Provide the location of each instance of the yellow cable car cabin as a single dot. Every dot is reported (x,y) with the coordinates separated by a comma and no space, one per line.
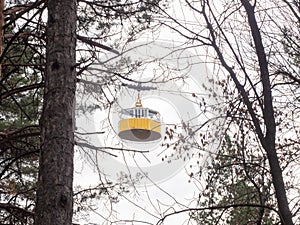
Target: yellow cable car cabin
(139,124)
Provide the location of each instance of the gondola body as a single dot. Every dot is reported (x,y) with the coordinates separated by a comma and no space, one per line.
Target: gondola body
(139,124)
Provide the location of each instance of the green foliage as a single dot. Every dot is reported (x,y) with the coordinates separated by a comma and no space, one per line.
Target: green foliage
(236,186)
(21,85)
(20,108)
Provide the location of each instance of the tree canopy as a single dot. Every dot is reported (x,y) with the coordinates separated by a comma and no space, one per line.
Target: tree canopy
(251,49)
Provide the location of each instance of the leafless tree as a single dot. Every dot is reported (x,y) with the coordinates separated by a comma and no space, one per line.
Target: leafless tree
(245,40)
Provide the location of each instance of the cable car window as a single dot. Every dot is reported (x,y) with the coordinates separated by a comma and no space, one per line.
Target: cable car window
(152,112)
(125,113)
(151,115)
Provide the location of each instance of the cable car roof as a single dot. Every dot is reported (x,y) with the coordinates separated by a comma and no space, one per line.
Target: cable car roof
(128,110)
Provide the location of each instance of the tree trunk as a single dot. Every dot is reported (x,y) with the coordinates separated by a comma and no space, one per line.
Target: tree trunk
(55,193)
(2,5)
(268,142)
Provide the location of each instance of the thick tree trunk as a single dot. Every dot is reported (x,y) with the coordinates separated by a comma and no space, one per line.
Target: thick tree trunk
(1,31)
(55,193)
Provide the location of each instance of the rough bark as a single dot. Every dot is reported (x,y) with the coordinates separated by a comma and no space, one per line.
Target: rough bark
(54,193)
(1,31)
